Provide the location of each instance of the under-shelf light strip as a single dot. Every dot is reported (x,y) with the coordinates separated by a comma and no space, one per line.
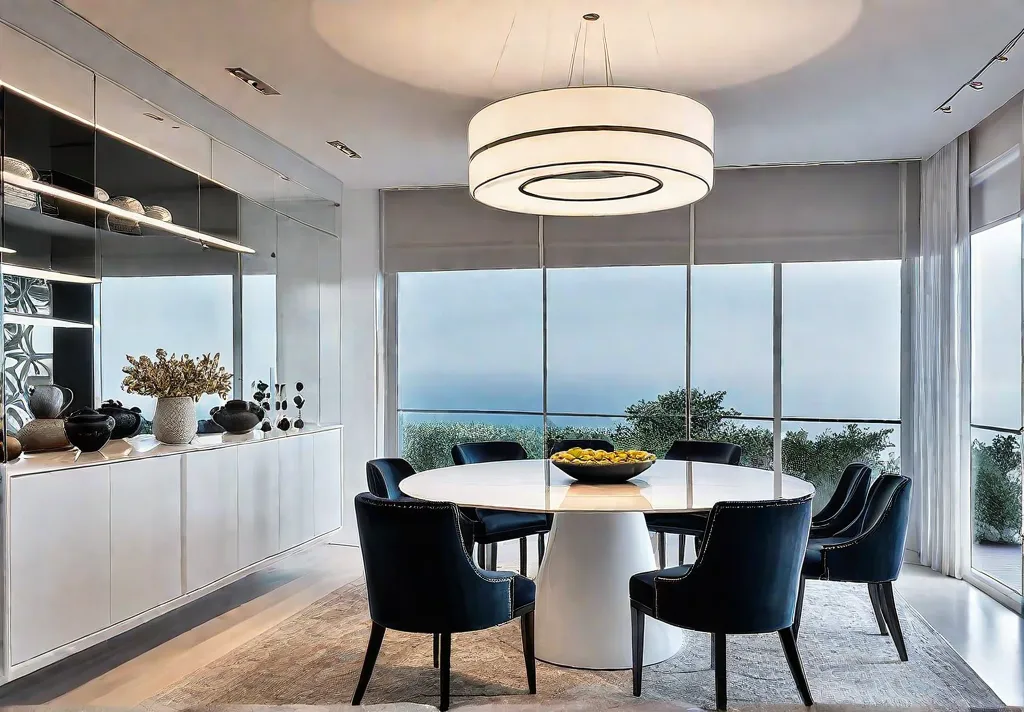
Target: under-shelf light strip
(54,191)
(43,321)
(48,274)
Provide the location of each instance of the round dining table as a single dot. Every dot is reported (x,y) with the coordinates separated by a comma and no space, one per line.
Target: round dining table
(598,540)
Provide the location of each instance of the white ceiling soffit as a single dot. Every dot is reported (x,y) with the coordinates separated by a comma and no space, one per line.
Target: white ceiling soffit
(789,81)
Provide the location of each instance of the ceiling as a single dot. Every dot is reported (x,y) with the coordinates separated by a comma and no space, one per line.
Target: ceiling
(789,81)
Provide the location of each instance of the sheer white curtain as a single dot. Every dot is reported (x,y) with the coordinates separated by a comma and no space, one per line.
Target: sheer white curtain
(940,362)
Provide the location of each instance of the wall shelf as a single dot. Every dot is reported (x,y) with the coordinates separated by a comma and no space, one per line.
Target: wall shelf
(142,220)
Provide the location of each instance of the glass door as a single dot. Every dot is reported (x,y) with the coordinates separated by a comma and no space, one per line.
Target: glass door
(996,386)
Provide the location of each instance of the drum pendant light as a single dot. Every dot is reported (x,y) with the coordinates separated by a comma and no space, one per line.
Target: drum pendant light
(591,150)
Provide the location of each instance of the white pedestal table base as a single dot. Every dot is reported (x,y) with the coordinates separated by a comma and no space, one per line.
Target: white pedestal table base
(582,614)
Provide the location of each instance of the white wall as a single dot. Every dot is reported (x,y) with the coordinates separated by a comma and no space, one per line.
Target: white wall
(360,268)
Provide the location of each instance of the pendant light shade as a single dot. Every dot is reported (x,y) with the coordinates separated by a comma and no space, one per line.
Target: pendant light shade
(591,150)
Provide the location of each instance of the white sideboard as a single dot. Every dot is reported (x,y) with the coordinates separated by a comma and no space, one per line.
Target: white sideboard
(99,543)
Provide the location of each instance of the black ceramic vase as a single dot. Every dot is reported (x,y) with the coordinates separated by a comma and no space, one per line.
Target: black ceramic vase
(88,430)
(127,421)
(237,416)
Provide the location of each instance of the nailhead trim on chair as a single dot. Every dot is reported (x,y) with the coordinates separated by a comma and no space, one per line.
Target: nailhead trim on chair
(766,504)
(462,547)
(861,537)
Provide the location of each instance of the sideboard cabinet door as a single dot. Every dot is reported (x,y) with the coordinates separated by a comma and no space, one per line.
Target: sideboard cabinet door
(211,516)
(60,558)
(296,476)
(258,502)
(145,535)
(327,481)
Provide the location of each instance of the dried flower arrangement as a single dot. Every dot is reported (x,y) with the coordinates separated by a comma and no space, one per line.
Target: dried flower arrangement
(176,377)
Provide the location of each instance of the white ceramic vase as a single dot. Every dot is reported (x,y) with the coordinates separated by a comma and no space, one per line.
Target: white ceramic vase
(174,421)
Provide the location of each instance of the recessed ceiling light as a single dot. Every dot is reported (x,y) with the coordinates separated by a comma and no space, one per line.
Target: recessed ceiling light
(591,16)
(344,149)
(947,109)
(255,82)
(976,85)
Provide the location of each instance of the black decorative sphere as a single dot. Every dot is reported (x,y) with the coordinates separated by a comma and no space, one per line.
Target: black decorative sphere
(266,427)
(259,396)
(299,425)
(283,424)
(299,401)
(277,405)
(299,386)
(88,430)
(284,405)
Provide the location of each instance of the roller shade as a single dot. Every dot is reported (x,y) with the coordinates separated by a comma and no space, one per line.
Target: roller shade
(445,229)
(661,238)
(800,214)
(996,165)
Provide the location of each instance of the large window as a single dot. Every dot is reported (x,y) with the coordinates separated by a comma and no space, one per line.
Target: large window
(996,402)
(840,369)
(731,358)
(471,366)
(470,361)
(617,350)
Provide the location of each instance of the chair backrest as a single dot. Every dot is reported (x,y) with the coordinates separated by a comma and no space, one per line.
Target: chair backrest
(876,553)
(704,451)
(747,573)
(560,445)
(384,474)
(495,451)
(851,491)
(419,577)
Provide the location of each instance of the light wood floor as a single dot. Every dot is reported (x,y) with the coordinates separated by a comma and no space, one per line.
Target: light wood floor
(136,665)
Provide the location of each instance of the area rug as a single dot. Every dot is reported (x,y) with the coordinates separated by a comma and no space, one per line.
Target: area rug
(313,658)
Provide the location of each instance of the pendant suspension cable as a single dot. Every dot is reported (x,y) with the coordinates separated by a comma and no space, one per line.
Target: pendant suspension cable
(609,78)
(504,46)
(572,61)
(654,38)
(583,74)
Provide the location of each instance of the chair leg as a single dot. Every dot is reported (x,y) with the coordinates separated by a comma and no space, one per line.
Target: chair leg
(876,606)
(492,557)
(788,638)
(526,628)
(540,549)
(720,694)
(446,669)
(891,618)
(372,649)
(799,607)
(481,555)
(522,555)
(437,644)
(661,550)
(637,619)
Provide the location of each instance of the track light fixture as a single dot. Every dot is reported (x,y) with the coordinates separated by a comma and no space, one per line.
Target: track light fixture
(947,109)
(976,85)
(975,82)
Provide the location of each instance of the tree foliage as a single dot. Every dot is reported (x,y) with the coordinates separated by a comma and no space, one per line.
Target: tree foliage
(655,425)
(997,489)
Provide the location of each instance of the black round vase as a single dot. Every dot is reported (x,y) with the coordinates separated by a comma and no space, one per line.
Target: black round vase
(127,421)
(237,416)
(88,430)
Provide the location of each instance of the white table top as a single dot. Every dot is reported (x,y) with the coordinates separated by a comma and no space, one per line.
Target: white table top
(539,486)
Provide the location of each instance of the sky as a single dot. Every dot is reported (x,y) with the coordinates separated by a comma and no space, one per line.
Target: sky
(473,340)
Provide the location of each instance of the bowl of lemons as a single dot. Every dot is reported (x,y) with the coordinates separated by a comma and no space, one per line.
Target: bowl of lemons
(602,466)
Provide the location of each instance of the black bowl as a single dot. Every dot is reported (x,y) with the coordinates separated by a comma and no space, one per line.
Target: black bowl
(603,474)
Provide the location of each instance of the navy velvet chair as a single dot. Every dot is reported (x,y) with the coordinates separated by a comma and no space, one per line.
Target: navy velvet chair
(419,579)
(744,581)
(492,526)
(689,524)
(384,474)
(869,551)
(846,504)
(560,445)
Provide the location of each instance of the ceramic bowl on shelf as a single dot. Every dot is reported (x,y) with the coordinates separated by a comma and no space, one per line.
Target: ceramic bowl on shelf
(88,430)
(127,421)
(237,417)
(601,467)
